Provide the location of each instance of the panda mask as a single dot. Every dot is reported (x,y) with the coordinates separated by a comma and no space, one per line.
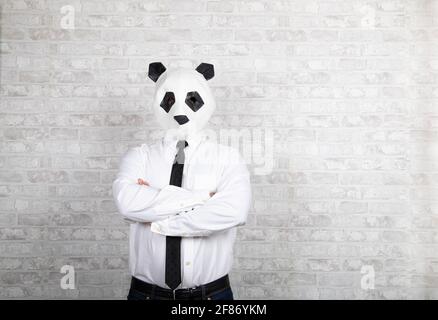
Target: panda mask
(183,102)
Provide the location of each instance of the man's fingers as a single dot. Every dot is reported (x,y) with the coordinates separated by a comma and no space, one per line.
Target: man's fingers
(142,182)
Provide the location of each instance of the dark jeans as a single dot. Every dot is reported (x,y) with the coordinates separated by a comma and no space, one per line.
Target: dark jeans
(226,294)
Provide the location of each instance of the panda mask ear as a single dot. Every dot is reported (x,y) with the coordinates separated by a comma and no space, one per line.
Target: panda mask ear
(156,69)
(206,69)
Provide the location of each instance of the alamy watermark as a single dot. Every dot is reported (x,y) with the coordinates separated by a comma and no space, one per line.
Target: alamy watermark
(368,19)
(68,17)
(68,281)
(255,145)
(368,279)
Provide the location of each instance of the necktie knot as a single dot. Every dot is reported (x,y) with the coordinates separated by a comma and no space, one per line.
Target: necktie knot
(180,157)
(181,144)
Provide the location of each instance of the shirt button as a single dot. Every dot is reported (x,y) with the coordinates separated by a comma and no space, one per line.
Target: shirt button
(187,263)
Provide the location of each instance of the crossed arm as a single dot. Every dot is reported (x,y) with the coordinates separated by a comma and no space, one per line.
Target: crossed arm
(175,211)
(140,202)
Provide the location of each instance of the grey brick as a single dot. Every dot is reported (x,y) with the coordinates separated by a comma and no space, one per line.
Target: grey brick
(347,88)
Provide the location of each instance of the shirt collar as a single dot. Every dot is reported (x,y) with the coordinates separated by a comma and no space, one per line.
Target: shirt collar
(170,139)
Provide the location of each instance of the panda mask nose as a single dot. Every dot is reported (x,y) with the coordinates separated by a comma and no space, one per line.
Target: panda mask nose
(181,119)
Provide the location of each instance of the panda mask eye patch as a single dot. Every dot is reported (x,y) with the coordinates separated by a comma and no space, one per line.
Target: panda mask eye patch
(194,100)
(168,101)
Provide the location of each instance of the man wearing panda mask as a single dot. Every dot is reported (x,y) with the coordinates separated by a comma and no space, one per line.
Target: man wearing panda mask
(183,195)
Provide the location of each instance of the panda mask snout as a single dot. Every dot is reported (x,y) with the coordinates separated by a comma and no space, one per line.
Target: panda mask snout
(181,119)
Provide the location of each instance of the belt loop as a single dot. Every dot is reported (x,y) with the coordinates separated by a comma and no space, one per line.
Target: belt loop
(173,292)
(153,292)
(202,292)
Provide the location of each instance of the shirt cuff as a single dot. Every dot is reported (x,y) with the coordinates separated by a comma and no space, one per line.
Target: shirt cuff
(160,227)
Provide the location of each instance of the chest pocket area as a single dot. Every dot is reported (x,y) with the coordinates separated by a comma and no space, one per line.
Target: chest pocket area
(202,176)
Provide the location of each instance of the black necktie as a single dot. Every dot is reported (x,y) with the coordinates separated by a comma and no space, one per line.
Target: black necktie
(173,244)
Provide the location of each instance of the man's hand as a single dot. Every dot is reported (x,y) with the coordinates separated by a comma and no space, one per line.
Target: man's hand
(142,182)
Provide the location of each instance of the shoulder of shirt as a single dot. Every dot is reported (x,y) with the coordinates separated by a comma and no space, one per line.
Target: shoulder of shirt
(144,148)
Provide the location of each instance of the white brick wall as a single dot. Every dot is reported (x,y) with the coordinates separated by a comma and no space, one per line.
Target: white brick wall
(349,88)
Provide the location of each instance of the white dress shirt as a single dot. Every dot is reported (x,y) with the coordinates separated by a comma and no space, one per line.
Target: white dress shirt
(207,224)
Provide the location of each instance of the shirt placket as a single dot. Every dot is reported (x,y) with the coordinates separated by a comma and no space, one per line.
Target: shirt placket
(188,262)
(187,274)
